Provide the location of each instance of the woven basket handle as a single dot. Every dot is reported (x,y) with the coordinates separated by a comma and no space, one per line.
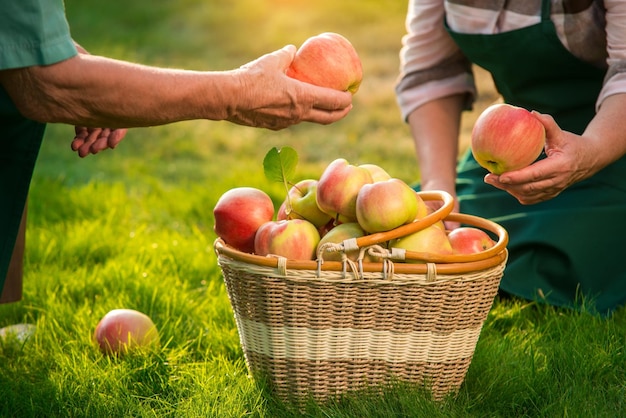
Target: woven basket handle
(463,218)
(425,222)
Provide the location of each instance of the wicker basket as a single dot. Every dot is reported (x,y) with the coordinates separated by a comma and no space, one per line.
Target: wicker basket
(314,329)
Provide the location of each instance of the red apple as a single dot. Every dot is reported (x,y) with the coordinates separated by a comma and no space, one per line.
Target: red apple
(378,173)
(123,329)
(328,60)
(338,187)
(339,234)
(431,240)
(295,239)
(385,205)
(469,240)
(239,213)
(507,138)
(302,198)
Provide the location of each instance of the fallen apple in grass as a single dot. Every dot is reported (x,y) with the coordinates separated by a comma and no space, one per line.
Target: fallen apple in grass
(507,138)
(239,212)
(294,239)
(385,205)
(469,240)
(338,187)
(328,60)
(121,330)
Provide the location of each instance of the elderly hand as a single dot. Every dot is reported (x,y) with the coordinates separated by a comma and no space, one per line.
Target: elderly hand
(93,140)
(570,159)
(275,101)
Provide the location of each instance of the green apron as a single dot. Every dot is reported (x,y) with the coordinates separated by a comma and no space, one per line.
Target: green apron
(20,141)
(569,246)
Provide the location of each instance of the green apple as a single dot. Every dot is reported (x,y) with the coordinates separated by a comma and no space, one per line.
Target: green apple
(338,187)
(385,205)
(302,199)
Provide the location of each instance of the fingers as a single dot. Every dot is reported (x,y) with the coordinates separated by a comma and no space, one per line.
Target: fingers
(285,56)
(548,122)
(530,185)
(93,140)
(327,116)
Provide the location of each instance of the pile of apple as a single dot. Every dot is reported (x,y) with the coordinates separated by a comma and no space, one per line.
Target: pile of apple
(347,201)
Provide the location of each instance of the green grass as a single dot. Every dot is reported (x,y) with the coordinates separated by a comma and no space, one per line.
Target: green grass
(133,228)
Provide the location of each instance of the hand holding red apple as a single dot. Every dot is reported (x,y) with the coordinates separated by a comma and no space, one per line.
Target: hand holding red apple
(507,138)
(328,60)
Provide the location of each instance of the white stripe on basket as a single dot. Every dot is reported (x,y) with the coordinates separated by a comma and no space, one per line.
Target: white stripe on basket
(348,343)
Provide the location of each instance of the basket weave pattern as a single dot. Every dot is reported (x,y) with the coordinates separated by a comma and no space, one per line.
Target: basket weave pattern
(323,335)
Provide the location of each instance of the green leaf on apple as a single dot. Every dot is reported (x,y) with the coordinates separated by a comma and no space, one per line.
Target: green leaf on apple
(280,164)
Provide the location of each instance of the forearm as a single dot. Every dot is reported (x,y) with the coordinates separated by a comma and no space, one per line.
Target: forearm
(98,91)
(435,128)
(607,130)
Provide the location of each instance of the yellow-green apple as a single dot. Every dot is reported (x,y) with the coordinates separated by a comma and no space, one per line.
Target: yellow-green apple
(506,138)
(431,240)
(378,173)
(469,240)
(338,187)
(238,213)
(295,239)
(302,199)
(385,205)
(339,234)
(121,330)
(423,209)
(328,60)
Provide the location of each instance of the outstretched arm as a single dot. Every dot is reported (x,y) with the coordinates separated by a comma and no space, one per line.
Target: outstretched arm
(89,90)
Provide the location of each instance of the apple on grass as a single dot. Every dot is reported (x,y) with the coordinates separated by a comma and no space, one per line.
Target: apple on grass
(385,205)
(302,199)
(507,138)
(338,187)
(294,239)
(239,212)
(469,240)
(328,60)
(121,330)
(431,240)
